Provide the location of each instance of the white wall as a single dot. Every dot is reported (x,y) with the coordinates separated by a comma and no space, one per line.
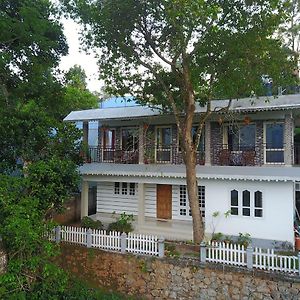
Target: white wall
(108,202)
(278,209)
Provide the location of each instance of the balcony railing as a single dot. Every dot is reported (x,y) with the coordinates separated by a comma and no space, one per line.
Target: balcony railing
(152,155)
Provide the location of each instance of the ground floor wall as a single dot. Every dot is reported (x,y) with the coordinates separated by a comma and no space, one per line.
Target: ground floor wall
(265,210)
(151,278)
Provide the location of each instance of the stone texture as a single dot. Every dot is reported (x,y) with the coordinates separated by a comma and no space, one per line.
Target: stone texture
(153,278)
(3,261)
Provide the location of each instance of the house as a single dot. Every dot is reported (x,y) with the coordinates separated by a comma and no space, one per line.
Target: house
(248,169)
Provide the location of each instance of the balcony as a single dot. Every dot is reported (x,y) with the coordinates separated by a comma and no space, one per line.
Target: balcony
(152,155)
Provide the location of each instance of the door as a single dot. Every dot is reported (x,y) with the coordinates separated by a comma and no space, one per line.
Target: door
(163,144)
(164,201)
(108,144)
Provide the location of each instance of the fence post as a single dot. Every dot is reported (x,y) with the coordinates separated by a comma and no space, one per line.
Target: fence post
(57,234)
(203,252)
(299,263)
(161,247)
(89,238)
(123,242)
(249,257)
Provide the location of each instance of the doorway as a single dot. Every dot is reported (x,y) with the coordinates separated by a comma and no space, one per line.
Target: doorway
(164,201)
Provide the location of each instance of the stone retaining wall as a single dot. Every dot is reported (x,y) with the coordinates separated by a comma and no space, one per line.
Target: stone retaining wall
(153,278)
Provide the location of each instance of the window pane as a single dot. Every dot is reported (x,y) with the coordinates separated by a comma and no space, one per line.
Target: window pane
(274,136)
(246,211)
(233,138)
(258,213)
(202,139)
(129,139)
(246,198)
(234,198)
(164,137)
(275,156)
(258,199)
(234,211)
(247,137)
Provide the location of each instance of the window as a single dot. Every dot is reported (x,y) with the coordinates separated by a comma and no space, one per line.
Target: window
(130,139)
(251,204)
(246,203)
(274,150)
(201,146)
(163,144)
(124,188)
(240,137)
(234,202)
(184,208)
(127,188)
(132,188)
(117,187)
(258,211)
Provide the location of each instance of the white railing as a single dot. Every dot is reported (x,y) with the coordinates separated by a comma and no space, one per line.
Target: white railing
(231,254)
(142,244)
(263,259)
(106,240)
(75,235)
(111,241)
(266,259)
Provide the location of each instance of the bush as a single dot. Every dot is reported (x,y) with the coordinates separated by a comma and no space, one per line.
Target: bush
(87,222)
(123,224)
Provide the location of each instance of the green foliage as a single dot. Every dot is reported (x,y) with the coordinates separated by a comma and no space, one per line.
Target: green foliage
(170,251)
(87,222)
(123,224)
(218,236)
(244,239)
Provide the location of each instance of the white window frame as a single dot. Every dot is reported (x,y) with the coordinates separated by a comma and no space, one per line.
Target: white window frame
(265,143)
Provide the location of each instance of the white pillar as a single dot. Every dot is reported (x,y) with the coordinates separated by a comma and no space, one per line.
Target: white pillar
(207,144)
(288,139)
(84,199)
(141,204)
(141,144)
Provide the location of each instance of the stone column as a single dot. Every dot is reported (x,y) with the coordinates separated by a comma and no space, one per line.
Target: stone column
(207,144)
(141,204)
(141,144)
(84,199)
(288,139)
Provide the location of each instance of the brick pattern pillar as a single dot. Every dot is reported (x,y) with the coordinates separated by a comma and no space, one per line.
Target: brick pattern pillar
(288,139)
(207,143)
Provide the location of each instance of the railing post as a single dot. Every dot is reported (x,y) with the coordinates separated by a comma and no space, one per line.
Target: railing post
(299,263)
(89,238)
(57,234)
(161,247)
(203,252)
(123,242)
(249,257)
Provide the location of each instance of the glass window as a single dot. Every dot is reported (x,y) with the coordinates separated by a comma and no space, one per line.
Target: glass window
(109,138)
(241,138)
(274,143)
(124,188)
(130,139)
(93,133)
(117,187)
(163,144)
(234,202)
(246,203)
(132,188)
(258,205)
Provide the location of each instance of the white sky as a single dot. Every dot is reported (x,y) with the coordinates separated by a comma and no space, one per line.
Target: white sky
(87,61)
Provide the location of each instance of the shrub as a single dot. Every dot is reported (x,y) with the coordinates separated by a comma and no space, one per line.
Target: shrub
(123,224)
(244,239)
(87,222)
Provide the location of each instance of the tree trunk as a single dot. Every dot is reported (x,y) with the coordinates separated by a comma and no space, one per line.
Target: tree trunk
(192,190)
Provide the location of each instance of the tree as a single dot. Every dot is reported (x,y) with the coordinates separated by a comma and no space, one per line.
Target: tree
(179,53)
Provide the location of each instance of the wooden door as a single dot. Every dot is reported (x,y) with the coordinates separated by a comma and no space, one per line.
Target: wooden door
(164,201)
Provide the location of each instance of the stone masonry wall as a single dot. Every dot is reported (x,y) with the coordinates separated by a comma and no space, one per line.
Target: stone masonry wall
(153,278)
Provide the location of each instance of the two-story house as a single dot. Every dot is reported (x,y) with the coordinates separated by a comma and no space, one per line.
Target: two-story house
(247,169)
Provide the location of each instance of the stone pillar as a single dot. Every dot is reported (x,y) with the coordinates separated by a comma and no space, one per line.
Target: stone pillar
(207,144)
(84,199)
(141,144)
(85,128)
(288,139)
(141,204)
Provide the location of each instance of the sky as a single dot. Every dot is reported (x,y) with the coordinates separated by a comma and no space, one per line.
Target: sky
(87,61)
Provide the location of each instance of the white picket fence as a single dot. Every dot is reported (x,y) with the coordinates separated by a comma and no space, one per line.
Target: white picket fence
(111,241)
(231,254)
(237,255)
(266,259)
